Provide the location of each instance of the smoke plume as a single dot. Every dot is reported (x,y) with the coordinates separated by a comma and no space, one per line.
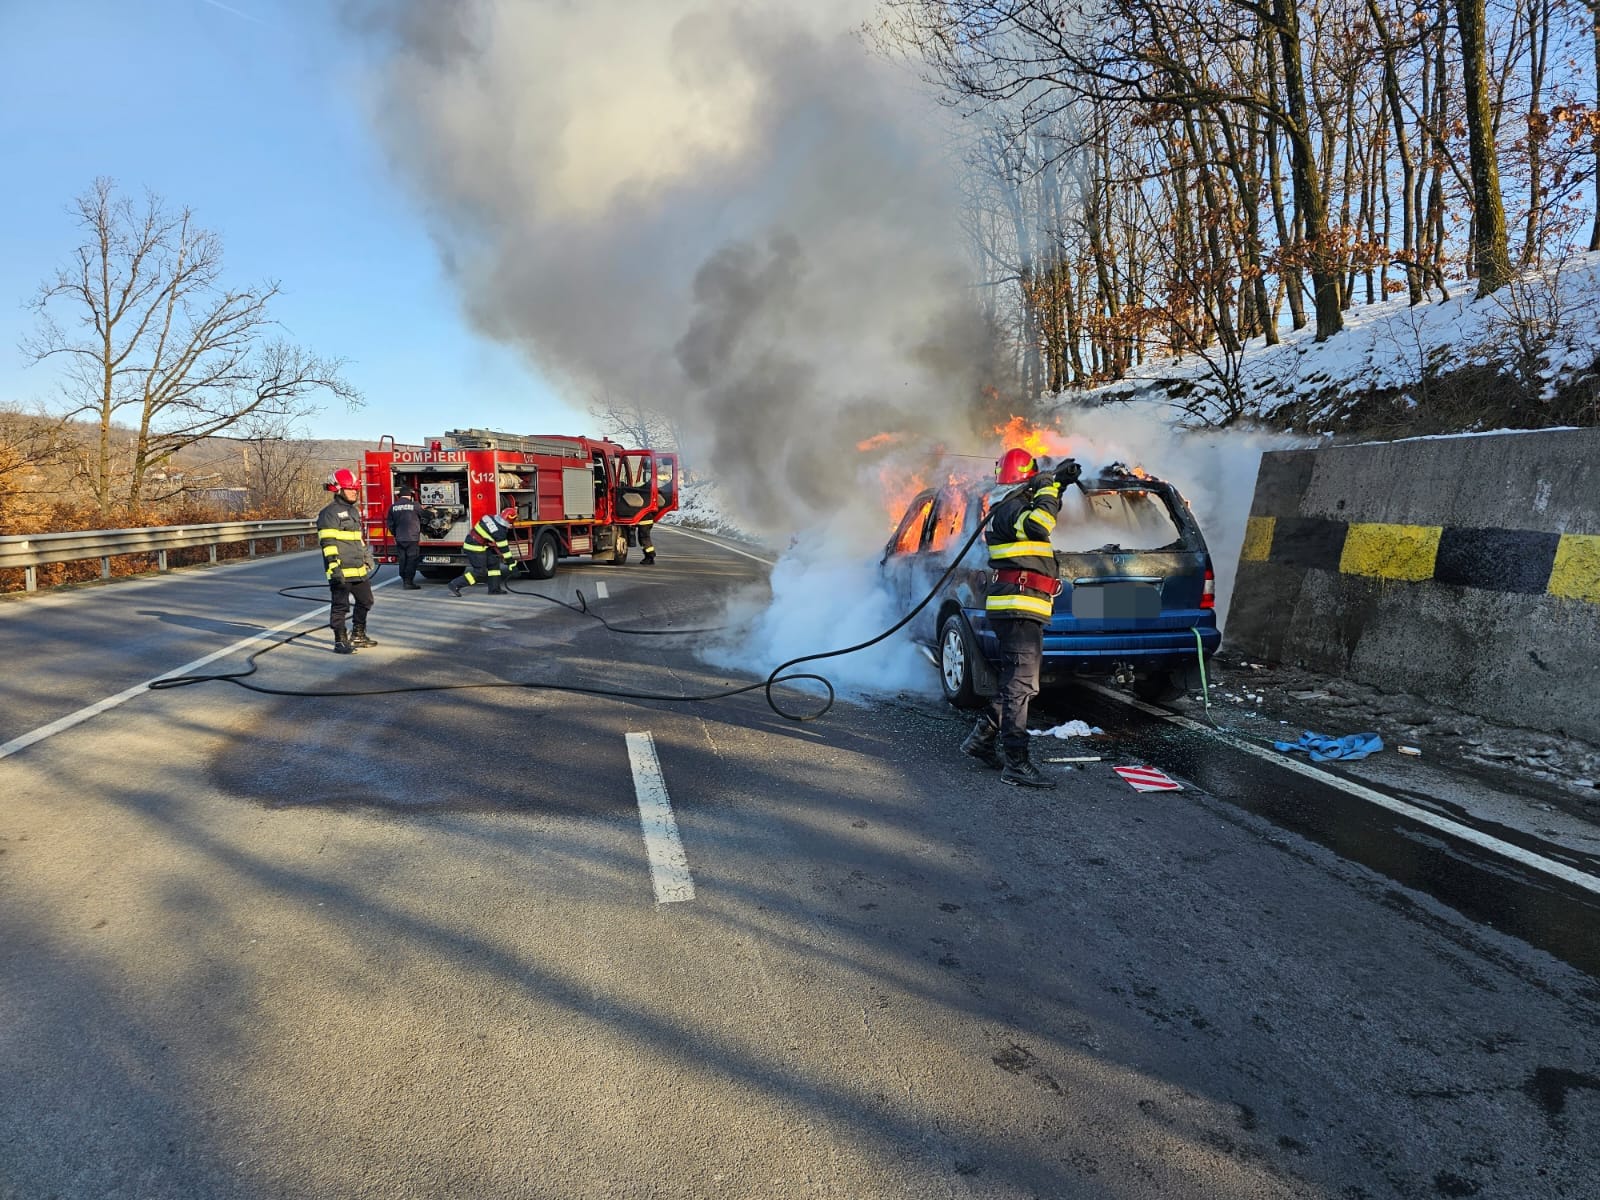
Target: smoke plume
(727,209)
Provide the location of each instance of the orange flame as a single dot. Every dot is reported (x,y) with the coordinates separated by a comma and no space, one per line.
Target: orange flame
(877,441)
(1036,440)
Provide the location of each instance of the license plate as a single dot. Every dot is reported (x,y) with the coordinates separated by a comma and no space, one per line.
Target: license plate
(435,558)
(1116,601)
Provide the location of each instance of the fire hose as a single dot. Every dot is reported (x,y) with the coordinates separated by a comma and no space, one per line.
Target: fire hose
(240,678)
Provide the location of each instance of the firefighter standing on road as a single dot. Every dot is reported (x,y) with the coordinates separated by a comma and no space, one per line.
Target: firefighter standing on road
(1021,598)
(488,551)
(348,560)
(405,523)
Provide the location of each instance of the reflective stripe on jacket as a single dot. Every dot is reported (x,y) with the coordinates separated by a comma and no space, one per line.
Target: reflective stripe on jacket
(1018,539)
(344,547)
(489,531)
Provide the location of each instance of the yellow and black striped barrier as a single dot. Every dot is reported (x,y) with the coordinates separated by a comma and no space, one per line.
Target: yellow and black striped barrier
(1523,561)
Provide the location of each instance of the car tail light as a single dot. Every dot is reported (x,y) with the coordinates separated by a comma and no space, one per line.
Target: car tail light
(1208,597)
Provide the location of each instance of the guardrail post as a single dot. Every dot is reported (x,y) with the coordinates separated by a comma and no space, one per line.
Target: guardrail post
(280,546)
(213,549)
(30,579)
(105,566)
(161,560)
(252,547)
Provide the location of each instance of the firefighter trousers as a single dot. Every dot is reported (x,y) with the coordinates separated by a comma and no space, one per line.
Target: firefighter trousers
(1021,656)
(408,557)
(480,566)
(344,591)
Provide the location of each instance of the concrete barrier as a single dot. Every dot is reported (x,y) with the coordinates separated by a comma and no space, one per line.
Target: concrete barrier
(1461,569)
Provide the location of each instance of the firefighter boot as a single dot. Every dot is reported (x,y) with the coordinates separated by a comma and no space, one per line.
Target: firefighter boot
(341,642)
(649,557)
(1020,772)
(980,743)
(456,584)
(359,638)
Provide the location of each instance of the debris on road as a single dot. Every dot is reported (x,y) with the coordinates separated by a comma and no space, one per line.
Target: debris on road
(1411,751)
(1070,729)
(1148,779)
(1082,758)
(1323,748)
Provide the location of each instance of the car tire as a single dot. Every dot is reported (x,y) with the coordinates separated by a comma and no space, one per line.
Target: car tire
(543,563)
(1158,687)
(957,656)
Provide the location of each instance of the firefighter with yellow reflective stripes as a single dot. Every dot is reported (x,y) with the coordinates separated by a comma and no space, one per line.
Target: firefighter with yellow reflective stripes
(347,559)
(488,551)
(1024,584)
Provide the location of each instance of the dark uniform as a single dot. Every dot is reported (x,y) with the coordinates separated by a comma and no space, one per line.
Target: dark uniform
(1024,584)
(488,551)
(405,523)
(347,558)
(646,541)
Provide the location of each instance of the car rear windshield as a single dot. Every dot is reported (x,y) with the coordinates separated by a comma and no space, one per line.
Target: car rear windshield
(1126,518)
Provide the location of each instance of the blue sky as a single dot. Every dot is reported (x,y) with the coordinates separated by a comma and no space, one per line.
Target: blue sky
(250,113)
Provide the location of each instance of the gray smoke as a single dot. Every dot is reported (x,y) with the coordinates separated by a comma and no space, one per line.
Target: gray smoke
(727,209)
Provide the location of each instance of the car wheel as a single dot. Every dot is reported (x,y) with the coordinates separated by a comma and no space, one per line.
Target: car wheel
(956,657)
(543,563)
(1158,687)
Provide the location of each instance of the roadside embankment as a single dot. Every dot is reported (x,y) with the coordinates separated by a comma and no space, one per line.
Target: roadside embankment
(1462,569)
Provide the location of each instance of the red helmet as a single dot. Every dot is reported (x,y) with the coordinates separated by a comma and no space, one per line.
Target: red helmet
(341,479)
(1015,466)
(508,513)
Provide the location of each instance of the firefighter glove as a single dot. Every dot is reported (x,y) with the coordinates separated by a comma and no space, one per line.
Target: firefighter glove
(336,575)
(1067,472)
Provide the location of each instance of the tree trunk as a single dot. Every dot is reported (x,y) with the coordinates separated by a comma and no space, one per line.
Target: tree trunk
(1489,255)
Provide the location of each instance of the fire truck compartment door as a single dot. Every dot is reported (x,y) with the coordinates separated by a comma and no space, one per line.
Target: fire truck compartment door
(577,492)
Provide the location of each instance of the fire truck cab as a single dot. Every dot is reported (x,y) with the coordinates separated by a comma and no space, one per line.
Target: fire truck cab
(575,497)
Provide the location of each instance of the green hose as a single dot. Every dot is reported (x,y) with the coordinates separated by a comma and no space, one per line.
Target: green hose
(1205,686)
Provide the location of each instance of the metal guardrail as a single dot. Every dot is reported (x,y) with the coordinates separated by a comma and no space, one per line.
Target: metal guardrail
(31,551)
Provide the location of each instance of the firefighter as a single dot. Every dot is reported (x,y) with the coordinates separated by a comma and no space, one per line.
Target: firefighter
(405,523)
(488,551)
(641,533)
(1024,584)
(348,560)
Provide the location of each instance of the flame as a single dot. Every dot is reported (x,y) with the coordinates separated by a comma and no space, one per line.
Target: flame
(877,441)
(1036,440)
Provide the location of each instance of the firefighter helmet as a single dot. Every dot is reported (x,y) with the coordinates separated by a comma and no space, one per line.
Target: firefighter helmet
(508,513)
(1015,466)
(341,479)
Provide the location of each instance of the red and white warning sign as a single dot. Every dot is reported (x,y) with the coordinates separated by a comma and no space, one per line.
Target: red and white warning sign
(1147,779)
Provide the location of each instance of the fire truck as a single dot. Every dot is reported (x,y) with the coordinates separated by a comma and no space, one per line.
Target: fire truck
(576,497)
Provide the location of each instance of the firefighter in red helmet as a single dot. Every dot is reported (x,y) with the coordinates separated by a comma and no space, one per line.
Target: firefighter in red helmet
(1024,582)
(487,548)
(347,559)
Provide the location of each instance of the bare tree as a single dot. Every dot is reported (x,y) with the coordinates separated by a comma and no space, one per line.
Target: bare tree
(635,423)
(30,444)
(157,342)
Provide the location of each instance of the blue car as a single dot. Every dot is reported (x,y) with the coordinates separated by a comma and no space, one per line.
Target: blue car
(1138,596)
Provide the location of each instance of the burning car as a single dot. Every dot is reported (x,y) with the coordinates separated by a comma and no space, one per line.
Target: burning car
(1137,601)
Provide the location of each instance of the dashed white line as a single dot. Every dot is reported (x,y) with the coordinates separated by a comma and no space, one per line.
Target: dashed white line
(1422,816)
(600,589)
(669,867)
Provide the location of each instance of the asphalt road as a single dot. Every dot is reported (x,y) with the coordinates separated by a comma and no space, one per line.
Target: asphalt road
(445,944)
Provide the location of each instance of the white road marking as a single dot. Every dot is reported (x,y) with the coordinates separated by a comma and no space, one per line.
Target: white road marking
(25,740)
(708,541)
(1465,833)
(669,868)
(600,590)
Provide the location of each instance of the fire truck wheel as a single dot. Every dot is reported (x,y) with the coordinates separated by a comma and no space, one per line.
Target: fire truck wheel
(621,554)
(543,563)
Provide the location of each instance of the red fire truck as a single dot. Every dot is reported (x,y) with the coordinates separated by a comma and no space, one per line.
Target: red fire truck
(575,497)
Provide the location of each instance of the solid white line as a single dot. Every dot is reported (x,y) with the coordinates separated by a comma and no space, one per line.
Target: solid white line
(600,589)
(669,868)
(708,541)
(1466,833)
(94,710)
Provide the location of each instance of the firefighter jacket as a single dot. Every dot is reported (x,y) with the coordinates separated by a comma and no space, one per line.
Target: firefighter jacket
(1025,580)
(344,549)
(490,533)
(405,520)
